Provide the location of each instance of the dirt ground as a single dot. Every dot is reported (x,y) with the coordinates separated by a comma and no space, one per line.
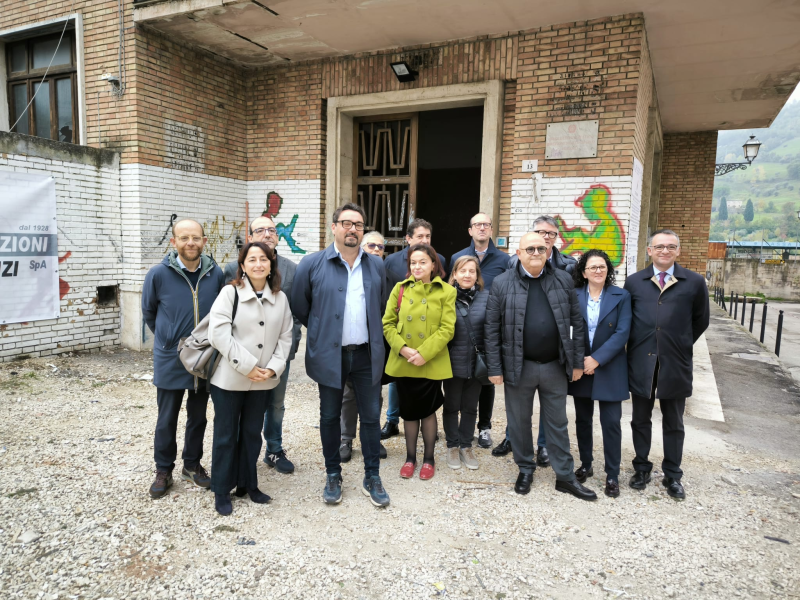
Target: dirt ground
(76,521)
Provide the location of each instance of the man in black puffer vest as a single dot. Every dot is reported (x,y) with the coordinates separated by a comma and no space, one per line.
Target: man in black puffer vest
(532,318)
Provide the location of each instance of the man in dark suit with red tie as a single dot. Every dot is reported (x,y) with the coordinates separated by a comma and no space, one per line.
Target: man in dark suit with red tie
(670,312)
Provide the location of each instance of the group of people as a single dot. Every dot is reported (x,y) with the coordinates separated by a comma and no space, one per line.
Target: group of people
(439,334)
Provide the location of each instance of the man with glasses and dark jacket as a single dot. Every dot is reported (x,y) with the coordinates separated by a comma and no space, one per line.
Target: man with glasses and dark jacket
(546,227)
(338,294)
(177,295)
(533,318)
(493,262)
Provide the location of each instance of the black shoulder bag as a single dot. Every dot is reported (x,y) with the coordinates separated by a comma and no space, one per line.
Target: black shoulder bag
(481,371)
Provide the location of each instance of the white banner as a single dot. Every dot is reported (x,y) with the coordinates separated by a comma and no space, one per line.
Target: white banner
(28,248)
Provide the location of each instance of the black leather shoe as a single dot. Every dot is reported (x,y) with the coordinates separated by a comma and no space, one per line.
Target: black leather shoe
(674,488)
(612,488)
(640,480)
(502,448)
(346,451)
(576,489)
(542,458)
(582,473)
(523,485)
(383,452)
(389,430)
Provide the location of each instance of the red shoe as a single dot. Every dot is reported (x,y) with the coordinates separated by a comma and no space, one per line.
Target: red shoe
(407,470)
(427,471)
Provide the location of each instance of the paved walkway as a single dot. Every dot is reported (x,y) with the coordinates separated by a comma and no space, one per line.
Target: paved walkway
(790,338)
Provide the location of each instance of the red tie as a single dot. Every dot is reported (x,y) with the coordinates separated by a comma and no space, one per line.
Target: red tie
(661,277)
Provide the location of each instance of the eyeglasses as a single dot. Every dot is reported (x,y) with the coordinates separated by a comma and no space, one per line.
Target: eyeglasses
(350,224)
(378,246)
(536,250)
(661,248)
(597,269)
(481,225)
(184,239)
(547,234)
(261,230)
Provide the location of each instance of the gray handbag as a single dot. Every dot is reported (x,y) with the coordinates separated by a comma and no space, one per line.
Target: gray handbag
(196,353)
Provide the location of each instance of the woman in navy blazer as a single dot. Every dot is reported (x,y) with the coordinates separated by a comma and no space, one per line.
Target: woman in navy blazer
(606,311)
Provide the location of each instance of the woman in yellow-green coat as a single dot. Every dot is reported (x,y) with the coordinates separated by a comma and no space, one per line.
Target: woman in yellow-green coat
(419,322)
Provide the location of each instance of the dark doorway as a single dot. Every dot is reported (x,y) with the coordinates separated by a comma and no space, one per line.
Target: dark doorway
(449,174)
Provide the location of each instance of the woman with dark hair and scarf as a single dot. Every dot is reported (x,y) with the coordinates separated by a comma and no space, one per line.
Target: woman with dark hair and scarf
(462,392)
(418,323)
(606,311)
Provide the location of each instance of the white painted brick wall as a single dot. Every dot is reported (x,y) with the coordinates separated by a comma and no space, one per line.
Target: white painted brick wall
(301,197)
(558,196)
(89,225)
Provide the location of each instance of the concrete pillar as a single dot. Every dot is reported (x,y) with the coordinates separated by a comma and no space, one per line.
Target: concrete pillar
(687,185)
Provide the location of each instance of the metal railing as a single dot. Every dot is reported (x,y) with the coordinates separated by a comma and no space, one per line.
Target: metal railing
(732,308)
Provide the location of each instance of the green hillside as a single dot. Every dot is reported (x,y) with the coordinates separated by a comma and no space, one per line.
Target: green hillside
(772,183)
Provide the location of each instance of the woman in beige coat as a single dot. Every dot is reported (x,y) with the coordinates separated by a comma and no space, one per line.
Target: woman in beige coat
(254,344)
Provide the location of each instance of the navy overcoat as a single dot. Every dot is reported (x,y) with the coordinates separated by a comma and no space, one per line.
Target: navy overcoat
(610,379)
(318,299)
(666,324)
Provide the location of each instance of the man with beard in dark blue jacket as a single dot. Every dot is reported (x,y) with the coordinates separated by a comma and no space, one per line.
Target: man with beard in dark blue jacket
(177,294)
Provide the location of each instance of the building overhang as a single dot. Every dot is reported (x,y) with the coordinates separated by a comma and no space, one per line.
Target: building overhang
(718,64)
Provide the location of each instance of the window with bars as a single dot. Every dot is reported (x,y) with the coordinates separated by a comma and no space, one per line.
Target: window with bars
(53,113)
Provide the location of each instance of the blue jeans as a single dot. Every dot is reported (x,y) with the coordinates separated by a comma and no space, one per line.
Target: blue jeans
(273,416)
(393,409)
(541,442)
(357,366)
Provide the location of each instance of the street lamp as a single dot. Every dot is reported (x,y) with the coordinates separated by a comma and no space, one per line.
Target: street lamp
(750,148)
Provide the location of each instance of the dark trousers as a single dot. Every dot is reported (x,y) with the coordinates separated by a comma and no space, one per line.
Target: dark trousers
(671,429)
(610,416)
(238,419)
(357,366)
(550,380)
(460,396)
(485,407)
(165,447)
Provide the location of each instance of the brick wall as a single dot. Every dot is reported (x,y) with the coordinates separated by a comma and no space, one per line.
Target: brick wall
(89,247)
(506,178)
(687,184)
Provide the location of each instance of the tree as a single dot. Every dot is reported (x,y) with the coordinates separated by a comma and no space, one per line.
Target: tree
(723,209)
(793,171)
(748,211)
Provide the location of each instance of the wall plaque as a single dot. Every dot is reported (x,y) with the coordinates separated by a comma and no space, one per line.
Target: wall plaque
(574,139)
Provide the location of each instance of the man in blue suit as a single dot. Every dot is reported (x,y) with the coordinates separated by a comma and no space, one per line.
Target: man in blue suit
(338,295)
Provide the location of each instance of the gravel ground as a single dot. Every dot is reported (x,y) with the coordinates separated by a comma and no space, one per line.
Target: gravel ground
(76,520)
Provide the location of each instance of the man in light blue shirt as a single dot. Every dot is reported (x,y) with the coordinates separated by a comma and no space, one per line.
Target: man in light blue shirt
(339,295)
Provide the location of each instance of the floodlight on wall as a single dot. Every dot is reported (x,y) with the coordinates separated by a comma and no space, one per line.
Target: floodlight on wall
(403,72)
(750,148)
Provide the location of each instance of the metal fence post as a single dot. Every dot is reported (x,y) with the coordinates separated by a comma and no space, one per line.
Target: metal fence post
(744,308)
(763,322)
(752,313)
(778,334)
(722,299)
(735,308)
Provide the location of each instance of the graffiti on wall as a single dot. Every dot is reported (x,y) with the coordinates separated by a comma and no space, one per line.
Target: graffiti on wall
(286,232)
(605,231)
(224,238)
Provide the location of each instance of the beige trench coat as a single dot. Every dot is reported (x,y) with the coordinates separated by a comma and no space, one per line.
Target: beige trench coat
(261,336)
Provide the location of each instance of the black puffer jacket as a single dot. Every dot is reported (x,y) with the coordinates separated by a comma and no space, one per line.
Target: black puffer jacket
(462,353)
(505,318)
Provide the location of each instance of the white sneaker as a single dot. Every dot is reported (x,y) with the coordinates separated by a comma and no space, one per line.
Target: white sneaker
(468,458)
(485,438)
(453,459)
